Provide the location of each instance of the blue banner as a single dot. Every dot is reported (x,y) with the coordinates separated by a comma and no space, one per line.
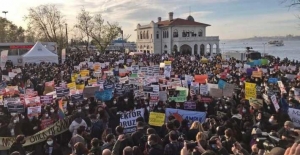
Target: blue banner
(221,84)
(272,80)
(257,62)
(185,114)
(104,95)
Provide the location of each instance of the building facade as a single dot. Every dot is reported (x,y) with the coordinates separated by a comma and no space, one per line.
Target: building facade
(184,36)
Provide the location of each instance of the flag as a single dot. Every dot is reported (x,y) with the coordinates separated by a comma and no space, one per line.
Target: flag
(61,113)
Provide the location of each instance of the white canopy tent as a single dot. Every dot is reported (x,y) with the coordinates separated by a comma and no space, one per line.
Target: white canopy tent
(39,53)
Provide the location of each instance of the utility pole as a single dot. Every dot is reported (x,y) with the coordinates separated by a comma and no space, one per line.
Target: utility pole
(5,12)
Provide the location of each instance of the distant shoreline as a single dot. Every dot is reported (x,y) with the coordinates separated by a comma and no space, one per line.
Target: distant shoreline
(292,38)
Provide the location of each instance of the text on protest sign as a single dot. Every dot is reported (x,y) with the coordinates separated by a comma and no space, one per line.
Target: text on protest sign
(128,120)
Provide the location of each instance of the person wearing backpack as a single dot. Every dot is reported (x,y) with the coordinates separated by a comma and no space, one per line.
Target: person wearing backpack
(174,147)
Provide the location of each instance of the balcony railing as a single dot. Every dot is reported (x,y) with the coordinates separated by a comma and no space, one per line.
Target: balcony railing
(210,38)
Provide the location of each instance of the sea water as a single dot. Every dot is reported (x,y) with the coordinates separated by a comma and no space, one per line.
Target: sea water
(291,48)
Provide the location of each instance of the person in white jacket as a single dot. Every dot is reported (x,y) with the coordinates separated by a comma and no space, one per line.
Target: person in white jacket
(76,124)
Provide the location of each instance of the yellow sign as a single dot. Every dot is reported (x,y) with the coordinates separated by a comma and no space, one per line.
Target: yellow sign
(84,73)
(71,85)
(73,77)
(257,74)
(168,62)
(80,86)
(250,90)
(92,81)
(156,119)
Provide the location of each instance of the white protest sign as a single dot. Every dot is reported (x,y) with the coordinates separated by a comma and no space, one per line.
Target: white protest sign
(275,103)
(128,120)
(203,89)
(294,116)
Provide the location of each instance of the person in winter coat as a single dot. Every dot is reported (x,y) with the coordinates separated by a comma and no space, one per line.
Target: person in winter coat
(155,147)
(78,137)
(51,147)
(76,124)
(97,127)
(18,145)
(96,149)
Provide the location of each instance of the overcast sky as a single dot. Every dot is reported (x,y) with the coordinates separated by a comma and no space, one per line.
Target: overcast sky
(230,19)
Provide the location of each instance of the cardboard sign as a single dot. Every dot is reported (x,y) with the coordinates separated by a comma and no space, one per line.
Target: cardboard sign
(257,74)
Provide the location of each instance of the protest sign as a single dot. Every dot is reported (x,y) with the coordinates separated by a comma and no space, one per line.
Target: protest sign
(250,90)
(156,119)
(163,96)
(167,68)
(228,90)
(14,105)
(45,123)
(204,89)
(77,97)
(185,114)
(294,116)
(275,103)
(128,120)
(89,91)
(34,111)
(257,74)
(104,95)
(46,99)
(53,130)
(200,78)
(272,80)
(84,73)
(189,105)
(221,84)
(215,92)
(61,92)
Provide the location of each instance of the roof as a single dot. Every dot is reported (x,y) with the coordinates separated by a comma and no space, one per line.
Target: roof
(179,21)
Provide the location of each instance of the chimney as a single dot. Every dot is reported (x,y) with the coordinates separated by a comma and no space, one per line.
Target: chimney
(170,16)
(159,19)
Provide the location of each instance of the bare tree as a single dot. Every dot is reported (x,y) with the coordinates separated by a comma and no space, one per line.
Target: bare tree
(291,3)
(48,24)
(94,28)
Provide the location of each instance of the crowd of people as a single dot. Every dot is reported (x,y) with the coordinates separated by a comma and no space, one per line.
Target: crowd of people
(232,123)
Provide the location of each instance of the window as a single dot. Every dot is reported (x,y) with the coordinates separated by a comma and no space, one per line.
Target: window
(147,35)
(183,33)
(141,35)
(157,35)
(175,33)
(144,35)
(151,36)
(163,34)
(167,34)
(200,33)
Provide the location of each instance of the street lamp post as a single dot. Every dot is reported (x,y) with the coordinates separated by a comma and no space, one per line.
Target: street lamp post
(5,12)
(66,36)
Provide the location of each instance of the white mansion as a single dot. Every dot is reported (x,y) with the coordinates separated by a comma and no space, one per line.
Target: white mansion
(176,35)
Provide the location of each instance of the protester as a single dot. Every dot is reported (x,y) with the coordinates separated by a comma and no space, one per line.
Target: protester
(217,105)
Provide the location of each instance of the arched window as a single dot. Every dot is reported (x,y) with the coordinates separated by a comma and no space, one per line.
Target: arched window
(200,33)
(175,33)
(165,46)
(163,34)
(151,36)
(144,35)
(183,34)
(141,34)
(157,35)
(167,34)
(147,35)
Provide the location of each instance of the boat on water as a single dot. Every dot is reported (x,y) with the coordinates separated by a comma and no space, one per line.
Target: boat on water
(276,43)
